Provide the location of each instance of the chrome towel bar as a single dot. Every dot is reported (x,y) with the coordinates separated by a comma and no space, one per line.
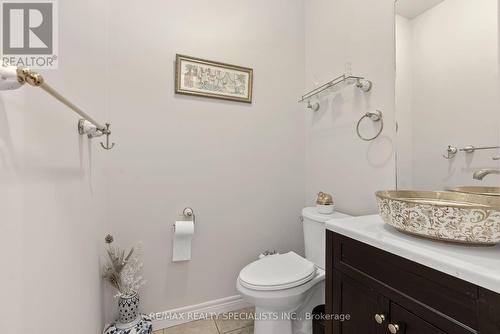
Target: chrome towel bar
(12,77)
(339,82)
(452,151)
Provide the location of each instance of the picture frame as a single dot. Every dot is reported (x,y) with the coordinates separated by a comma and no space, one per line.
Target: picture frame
(206,78)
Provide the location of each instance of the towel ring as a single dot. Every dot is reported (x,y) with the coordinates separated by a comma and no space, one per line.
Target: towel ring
(375,116)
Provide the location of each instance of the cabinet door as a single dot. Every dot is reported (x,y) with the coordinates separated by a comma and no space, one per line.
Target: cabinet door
(361,304)
(405,322)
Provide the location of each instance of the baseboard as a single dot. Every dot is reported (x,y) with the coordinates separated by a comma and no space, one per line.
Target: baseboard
(181,315)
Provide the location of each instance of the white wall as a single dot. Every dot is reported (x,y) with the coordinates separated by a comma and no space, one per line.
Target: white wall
(455,92)
(361,33)
(50,191)
(239,166)
(404,102)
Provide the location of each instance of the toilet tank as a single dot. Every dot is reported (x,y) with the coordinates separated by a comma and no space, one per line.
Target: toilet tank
(314,233)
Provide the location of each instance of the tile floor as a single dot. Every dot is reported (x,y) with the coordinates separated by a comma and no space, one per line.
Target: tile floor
(222,325)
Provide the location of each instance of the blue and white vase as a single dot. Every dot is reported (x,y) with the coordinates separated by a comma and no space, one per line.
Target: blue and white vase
(128,308)
(129,320)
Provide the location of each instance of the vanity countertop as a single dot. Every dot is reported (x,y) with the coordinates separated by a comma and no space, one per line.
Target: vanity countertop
(479,265)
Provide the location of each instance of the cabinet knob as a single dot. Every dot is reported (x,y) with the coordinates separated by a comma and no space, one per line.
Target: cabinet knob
(379,318)
(393,328)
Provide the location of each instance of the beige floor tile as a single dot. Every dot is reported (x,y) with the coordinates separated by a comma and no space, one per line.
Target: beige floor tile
(246,330)
(232,321)
(194,327)
(158,332)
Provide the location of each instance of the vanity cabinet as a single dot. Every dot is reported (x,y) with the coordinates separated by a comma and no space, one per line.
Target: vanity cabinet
(384,293)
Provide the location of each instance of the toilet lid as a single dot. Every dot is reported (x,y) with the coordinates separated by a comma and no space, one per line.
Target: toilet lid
(277,272)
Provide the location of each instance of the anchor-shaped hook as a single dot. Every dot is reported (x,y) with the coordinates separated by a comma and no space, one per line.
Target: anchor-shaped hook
(451,151)
(107,132)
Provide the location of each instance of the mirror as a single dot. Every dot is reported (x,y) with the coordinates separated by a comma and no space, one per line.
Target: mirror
(447,94)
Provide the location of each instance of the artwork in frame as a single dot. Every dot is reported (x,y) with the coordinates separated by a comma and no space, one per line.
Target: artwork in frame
(200,77)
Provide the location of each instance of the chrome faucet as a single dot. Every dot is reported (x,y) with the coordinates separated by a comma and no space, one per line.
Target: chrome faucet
(480,174)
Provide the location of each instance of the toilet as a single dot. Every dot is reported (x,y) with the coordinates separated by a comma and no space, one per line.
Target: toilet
(286,287)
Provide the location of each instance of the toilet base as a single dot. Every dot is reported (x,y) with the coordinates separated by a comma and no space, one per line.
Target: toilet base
(303,323)
(292,322)
(268,322)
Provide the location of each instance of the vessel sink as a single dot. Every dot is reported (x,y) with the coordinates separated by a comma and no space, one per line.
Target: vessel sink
(441,215)
(490,191)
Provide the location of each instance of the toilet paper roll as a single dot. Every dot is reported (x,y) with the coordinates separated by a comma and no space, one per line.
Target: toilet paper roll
(184,231)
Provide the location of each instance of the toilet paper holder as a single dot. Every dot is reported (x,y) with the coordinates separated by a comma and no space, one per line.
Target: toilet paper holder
(189,214)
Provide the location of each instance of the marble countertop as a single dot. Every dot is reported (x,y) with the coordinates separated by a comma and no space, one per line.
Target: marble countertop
(475,264)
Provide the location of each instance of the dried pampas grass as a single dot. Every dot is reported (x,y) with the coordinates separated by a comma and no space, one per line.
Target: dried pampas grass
(121,271)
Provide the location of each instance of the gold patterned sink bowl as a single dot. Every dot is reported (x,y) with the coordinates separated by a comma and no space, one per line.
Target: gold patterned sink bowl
(442,215)
(489,191)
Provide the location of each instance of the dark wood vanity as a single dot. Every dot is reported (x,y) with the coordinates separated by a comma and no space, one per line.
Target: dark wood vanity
(384,293)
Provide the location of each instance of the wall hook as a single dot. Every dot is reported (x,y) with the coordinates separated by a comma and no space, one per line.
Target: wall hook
(313,106)
(107,133)
(451,151)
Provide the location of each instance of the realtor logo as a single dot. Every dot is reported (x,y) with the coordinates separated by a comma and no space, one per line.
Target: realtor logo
(29,33)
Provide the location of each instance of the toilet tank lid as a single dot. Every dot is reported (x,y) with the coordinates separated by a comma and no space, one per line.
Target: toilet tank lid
(313,214)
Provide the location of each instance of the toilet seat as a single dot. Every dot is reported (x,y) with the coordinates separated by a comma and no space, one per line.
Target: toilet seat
(277,272)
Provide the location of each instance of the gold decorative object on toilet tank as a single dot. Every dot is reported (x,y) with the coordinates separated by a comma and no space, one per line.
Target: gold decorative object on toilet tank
(324,199)
(324,203)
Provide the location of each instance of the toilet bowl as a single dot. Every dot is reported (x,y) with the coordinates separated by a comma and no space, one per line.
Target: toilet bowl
(286,287)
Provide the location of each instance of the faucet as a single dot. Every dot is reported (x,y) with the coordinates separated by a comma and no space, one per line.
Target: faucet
(480,174)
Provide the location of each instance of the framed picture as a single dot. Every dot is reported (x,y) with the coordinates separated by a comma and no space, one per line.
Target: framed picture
(194,76)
